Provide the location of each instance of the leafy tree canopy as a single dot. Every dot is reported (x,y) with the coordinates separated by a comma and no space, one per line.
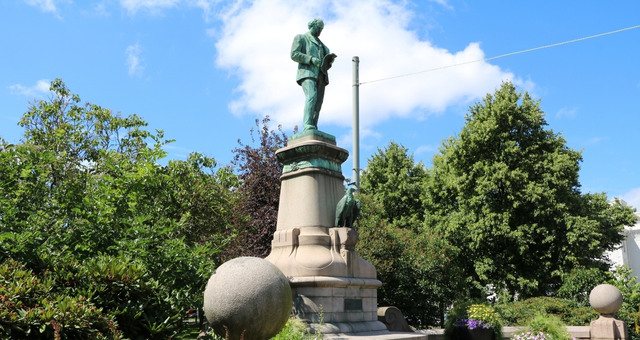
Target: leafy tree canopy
(505,191)
(394,182)
(416,268)
(84,202)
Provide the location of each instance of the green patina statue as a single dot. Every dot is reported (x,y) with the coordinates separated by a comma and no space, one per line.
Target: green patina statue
(314,60)
(347,210)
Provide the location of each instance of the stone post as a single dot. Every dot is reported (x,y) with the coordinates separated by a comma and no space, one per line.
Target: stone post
(606,300)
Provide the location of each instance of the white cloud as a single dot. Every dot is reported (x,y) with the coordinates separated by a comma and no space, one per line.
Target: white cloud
(47,6)
(100,9)
(39,89)
(133,6)
(256,38)
(443,3)
(134,59)
(206,6)
(632,197)
(567,112)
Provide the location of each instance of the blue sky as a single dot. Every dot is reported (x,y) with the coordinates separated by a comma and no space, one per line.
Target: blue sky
(203,70)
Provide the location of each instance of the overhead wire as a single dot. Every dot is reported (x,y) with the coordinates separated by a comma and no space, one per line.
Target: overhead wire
(505,54)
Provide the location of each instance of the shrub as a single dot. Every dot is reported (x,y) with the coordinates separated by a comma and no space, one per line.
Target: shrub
(520,313)
(294,329)
(577,284)
(472,316)
(123,288)
(104,296)
(550,325)
(30,307)
(484,313)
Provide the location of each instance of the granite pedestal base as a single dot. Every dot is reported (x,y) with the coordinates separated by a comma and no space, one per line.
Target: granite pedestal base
(334,289)
(337,304)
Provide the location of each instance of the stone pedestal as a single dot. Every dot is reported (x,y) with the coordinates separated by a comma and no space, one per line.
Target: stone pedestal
(608,328)
(334,289)
(606,299)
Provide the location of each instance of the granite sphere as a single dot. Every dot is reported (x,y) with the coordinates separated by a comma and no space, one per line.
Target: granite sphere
(605,299)
(248,298)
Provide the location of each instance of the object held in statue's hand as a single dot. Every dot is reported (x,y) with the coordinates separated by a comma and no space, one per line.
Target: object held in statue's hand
(327,61)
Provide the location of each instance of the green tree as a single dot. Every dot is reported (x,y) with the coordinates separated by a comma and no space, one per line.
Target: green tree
(416,268)
(578,283)
(505,192)
(85,203)
(394,182)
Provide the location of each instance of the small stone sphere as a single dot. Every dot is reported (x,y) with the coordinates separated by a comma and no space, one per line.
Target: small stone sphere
(605,299)
(247,298)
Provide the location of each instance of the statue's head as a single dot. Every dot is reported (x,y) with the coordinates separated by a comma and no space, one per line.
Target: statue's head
(315,26)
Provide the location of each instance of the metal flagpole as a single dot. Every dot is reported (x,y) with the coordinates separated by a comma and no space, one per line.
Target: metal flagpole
(356,122)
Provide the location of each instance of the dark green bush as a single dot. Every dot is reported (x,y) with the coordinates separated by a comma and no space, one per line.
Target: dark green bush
(31,307)
(578,283)
(124,289)
(520,313)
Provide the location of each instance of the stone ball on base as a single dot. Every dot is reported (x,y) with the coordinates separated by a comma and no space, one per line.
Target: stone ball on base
(247,298)
(606,299)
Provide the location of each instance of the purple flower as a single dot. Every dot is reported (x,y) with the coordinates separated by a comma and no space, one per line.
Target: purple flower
(472,324)
(461,323)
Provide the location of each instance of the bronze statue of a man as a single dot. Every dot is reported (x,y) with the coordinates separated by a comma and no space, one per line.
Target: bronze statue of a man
(314,60)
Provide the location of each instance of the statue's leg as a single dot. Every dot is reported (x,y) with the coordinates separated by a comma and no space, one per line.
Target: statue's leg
(311,94)
(318,106)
